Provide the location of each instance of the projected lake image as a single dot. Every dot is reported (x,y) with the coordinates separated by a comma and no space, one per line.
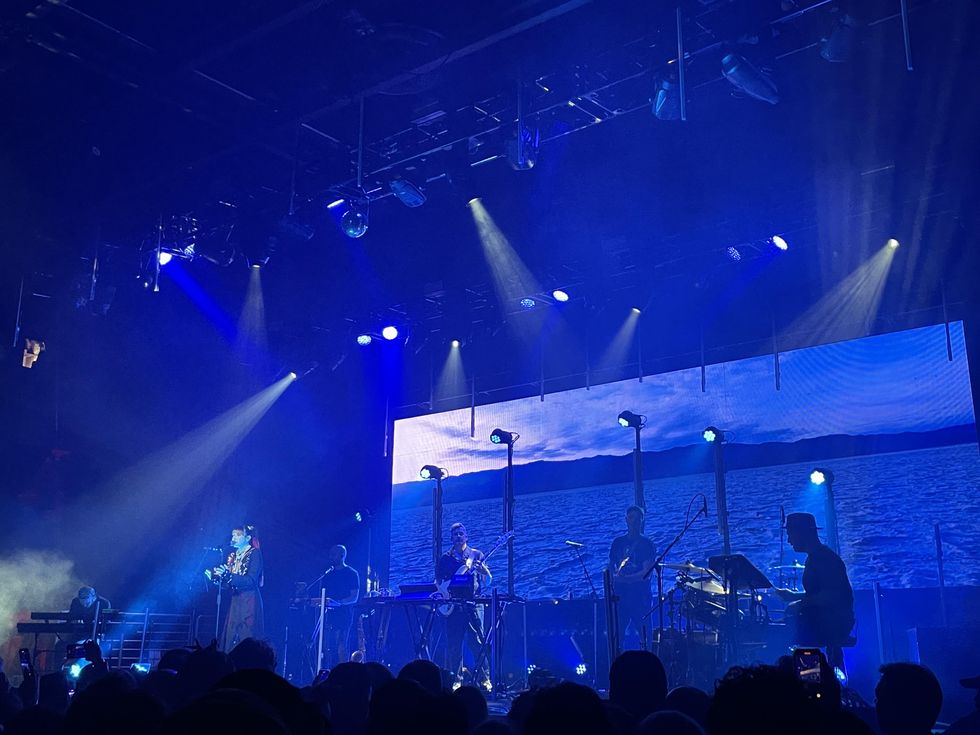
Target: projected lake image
(889,415)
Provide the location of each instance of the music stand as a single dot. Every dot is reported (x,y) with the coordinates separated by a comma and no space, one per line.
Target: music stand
(737,573)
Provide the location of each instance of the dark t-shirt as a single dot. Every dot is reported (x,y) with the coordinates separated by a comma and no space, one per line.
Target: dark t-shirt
(828,591)
(77,611)
(450,562)
(340,582)
(635,551)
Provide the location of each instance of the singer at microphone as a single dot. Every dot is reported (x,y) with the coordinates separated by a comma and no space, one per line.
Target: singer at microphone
(574,544)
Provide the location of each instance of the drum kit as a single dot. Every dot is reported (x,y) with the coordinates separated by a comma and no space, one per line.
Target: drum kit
(702,613)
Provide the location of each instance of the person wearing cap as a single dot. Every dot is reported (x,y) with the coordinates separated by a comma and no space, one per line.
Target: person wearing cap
(970,724)
(824,611)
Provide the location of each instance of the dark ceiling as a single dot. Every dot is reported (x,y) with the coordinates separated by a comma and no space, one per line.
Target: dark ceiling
(119,115)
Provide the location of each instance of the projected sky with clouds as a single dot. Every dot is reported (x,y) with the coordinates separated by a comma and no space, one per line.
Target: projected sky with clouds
(900,383)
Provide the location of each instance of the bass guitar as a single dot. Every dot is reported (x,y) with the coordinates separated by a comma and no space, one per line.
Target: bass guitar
(466,568)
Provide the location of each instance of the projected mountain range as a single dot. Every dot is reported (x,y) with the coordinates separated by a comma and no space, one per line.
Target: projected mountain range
(544,475)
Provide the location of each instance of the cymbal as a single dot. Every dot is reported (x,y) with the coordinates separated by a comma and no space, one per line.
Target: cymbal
(795,565)
(688,567)
(708,586)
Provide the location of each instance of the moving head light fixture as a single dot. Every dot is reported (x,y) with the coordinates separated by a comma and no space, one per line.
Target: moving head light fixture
(499,436)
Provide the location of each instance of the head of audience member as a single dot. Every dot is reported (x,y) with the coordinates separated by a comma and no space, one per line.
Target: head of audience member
(174,659)
(669,722)
(907,699)
(570,709)
(494,727)
(474,703)
(252,653)
(691,701)
(424,673)
(204,668)
(402,706)
(226,711)
(53,692)
(638,683)
(760,700)
(36,721)
(113,705)
(378,673)
(162,684)
(348,691)
(284,698)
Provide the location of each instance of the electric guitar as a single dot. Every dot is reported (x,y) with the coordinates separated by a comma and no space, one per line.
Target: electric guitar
(442,593)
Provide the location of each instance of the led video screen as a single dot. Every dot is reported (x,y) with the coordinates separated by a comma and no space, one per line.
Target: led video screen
(891,416)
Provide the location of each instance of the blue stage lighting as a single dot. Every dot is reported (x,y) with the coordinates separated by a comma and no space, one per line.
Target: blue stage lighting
(817,477)
(164,257)
(733,253)
(892,243)
(559,295)
(389,333)
(454,343)
(581,669)
(630,420)
(499,436)
(364,340)
(431,472)
(746,77)
(780,242)
(335,203)
(528,303)
(358,517)
(710,434)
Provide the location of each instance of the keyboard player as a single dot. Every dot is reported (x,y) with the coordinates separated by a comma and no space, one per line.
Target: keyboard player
(84,607)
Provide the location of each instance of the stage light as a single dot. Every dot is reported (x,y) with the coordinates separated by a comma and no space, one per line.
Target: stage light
(358,517)
(471,201)
(733,253)
(839,45)
(779,242)
(630,420)
(581,669)
(354,221)
(164,257)
(431,472)
(292,375)
(667,102)
(821,477)
(499,436)
(635,309)
(560,295)
(32,351)
(528,303)
(389,333)
(406,192)
(364,340)
(746,77)
(454,343)
(531,667)
(711,434)
(892,243)
(335,203)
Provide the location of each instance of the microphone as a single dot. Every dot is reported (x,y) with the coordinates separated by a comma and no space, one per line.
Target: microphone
(574,544)
(782,516)
(705,508)
(213,548)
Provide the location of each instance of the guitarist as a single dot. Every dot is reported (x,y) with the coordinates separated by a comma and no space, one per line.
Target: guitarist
(631,557)
(465,621)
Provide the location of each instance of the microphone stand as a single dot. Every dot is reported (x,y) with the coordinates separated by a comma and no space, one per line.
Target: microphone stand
(658,565)
(595,613)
